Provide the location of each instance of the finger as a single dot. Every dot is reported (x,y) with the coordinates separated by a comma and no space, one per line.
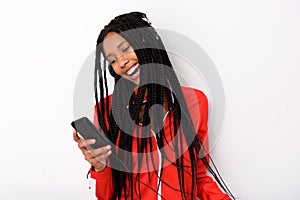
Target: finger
(86,143)
(100,158)
(107,147)
(100,153)
(90,153)
(94,160)
(101,150)
(99,162)
(104,156)
(82,145)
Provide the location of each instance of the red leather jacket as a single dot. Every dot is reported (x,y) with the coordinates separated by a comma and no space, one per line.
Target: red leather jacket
(206,189)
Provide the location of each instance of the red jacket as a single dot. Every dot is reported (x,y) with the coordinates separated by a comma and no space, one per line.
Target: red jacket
(206,189)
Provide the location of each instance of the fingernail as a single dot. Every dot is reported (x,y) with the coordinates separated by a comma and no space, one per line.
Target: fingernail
(108,147)
(93,141)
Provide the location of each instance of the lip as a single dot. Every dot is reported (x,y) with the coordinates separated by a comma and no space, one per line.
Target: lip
(136,65)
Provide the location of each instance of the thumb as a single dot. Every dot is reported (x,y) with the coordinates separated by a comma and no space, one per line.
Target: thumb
(75,136)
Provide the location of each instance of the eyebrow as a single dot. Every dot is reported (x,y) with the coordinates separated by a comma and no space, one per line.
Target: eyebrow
(119,45)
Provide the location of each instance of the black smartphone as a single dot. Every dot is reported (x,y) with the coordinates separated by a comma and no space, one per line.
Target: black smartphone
(89,131)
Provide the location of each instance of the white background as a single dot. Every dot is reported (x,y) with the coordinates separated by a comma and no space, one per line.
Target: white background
(254,44)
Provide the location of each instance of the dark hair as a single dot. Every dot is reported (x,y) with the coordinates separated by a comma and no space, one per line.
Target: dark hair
(136,29)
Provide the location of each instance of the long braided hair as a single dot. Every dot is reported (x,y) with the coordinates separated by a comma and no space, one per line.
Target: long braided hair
(158,82)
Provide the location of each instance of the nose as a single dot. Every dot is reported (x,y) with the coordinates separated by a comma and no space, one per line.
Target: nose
(122,60)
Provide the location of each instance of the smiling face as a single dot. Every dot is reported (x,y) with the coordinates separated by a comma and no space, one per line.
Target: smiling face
(122,57)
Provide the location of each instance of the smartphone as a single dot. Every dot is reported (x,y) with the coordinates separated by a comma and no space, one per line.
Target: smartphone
(89,131)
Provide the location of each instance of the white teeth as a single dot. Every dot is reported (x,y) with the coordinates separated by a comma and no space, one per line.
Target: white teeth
(129,72)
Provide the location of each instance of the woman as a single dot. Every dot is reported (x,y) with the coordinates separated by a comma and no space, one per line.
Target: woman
(152,122)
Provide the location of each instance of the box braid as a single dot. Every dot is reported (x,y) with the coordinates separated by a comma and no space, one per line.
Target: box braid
(156,93)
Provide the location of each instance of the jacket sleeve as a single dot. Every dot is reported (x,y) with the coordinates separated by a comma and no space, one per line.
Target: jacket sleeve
(101,183)
(207,189)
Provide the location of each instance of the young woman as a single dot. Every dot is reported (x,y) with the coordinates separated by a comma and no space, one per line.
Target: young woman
(158,128)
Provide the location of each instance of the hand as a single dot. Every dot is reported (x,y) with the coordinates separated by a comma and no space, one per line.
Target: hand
(96,157)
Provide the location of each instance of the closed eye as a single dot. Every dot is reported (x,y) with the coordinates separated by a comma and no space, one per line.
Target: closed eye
(111,61)
(126,49)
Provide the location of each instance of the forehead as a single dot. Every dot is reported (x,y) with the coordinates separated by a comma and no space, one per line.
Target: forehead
(112,42)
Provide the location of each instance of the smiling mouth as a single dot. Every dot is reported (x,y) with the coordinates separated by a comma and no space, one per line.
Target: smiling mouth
(133,70)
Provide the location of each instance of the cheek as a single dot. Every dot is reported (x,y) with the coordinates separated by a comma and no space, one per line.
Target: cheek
(133,55)
(117,70)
